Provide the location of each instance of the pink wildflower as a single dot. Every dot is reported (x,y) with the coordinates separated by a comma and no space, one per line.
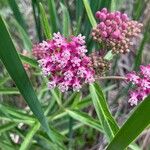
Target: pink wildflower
(64,62)
(141,82)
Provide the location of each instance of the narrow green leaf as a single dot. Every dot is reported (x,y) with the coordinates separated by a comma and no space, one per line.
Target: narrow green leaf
(113,5)
(138,59)
(16,113)
(56,96)
(17,14)
(53,15)
(138,8)
(6,127)
(64,132)
(36,12)
(30,61)
(66,20)
(45,23)
(8,91)
(28,139)
(12,62)
(85,119)
(4,80)
(110,118)
(24,36)
(7,146)
(103,112)
(89,13)
(132,128)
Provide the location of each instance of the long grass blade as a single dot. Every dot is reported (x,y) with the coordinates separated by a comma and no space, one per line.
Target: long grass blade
(66,20)
(9,91)
(53,15)
(45,23)
(85,119)
(89,13)
(105,118)
(24,36)
(13,64)
(6,127)
(17,14)
(132,128)
(27,141)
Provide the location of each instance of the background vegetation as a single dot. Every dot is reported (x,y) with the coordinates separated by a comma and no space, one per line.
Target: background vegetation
(33,117)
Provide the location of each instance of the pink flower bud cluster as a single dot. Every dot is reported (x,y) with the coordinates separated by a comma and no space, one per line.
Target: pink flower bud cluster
(141,83)
(39,50)
(115,30)
(65,63)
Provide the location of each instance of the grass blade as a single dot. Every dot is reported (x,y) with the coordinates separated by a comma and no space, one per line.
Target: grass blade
(30,61)
(89,13)
(8,91)
(6,127)
(26,143)
(24,36)
(4,80)
(138,59)
(66,20)
(35,7)
(44,22)
(109,125)
(85,119)
(53,15)
(10,58)
(17,14)
(136,123)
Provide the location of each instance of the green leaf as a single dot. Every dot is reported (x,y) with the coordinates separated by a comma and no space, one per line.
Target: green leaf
(45,23)
(138,59)
(108,123)
(110,118)
(66,20)
(15,113)
(24,36)
(17,14)
(6,127)
(109,55)
(12,62)
(8,91)
(30,61)
(113,5)
(85,119)
(89,13)
(132,128)
(55,94)
(26,143)
(4,80)
(36,15)
(53,15)
(138,8)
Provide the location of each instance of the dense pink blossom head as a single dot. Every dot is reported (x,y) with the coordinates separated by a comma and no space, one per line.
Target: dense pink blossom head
(115,30)
(141,84)
(64,62)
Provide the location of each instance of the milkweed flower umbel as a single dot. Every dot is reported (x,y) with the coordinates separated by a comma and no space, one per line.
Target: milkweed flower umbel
(64,62)
(115,30)
(141,84)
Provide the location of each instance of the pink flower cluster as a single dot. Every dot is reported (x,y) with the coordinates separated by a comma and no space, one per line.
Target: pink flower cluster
(64,62)
(115,30)
(39,50)
(141,82)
